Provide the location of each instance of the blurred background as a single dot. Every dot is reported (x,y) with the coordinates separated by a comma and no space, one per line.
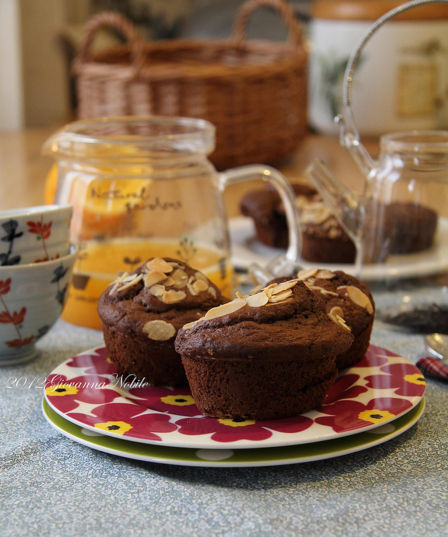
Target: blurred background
(40,38)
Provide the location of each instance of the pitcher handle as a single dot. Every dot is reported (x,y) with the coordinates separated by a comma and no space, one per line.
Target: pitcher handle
(289,262)
(349,135)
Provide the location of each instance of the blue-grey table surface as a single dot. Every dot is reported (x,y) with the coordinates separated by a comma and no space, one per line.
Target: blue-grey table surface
(51,485)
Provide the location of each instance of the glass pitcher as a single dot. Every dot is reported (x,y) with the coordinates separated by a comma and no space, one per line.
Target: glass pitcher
(399,222)
(143,187)
(399,219)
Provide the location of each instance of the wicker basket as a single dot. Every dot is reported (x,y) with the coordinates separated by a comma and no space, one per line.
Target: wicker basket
(254,92)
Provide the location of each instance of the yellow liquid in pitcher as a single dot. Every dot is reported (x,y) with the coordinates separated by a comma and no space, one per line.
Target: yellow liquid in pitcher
(98,264)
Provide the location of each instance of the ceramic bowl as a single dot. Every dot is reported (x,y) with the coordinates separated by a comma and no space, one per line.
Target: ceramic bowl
(34,234)
(31,300)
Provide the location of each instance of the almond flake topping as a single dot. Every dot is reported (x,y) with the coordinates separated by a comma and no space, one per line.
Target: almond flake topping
(212,291)
(325,274)
(159,265)
(358,297)
(321,289)
(200,276)
(179,278)
(151,278)
(125,281)
(255,301)
(157,290)
(200,285)
(284,286)
(159,330)
(335,315)
(225,309)
(280,296)
(306,273)
(172,296)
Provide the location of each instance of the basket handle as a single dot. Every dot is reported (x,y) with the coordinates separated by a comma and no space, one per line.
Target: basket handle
(285,10)
(126,28)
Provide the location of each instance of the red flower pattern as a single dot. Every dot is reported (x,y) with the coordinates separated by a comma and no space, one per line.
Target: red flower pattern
(340,411)
(40,229)
(349,415)
(177,401)
(95,363)
(142,425)
(405,378)
(5,286)
(343,389)
(19,342)
(90,389)
(233,430)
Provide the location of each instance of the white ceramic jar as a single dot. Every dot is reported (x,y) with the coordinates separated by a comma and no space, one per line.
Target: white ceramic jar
(401,81)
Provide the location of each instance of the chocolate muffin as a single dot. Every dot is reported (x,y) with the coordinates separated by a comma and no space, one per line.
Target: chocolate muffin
(356,305)
(265,356)
(400,228)
(323,238)
(141,313)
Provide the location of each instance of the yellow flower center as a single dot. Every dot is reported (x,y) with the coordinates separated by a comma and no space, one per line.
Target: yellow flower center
(375,416)
(416,378)
(178,400)
(119,427)
(237,422)
(61,389)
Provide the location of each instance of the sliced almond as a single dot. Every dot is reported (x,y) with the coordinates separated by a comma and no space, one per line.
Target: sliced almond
(159,330)
(200,285)
(336,315)
(127,285)
(174,264)
(270,289)
(306,273)
(284,286)
(325,274)
(179,278)
(280,296)
(159,265)
(321,290)
(212,291)
(258,300)
(358,297)
(151,278)
(117,282)
(225,309)
(157,290)
(190,325)
(192,289)
(172,296)
(199,276)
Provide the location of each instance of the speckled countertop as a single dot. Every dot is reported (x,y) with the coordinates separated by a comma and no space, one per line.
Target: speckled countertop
(51,485)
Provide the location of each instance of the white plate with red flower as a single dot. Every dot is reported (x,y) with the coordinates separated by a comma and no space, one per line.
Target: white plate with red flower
(86,391)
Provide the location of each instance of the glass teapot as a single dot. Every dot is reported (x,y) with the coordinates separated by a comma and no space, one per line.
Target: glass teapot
(399,221)
(143,187)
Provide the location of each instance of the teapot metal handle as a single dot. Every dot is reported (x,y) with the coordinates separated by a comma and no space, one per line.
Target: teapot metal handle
(349,135)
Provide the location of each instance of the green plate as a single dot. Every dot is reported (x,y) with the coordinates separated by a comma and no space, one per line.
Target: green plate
(235,457)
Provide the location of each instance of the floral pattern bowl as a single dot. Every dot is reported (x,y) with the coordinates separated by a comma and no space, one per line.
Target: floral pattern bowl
(31,300)
(34,234)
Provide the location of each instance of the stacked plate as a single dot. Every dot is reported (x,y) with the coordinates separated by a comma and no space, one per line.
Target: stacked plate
(369,404)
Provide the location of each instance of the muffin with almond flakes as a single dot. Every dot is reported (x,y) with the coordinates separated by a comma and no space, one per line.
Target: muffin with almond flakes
(265,356)
(141,313)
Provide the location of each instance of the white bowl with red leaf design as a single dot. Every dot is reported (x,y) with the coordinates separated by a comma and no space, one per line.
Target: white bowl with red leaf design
(31,300)
(34,234)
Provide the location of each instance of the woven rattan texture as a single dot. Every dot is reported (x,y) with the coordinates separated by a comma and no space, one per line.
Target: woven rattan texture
(254,92)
